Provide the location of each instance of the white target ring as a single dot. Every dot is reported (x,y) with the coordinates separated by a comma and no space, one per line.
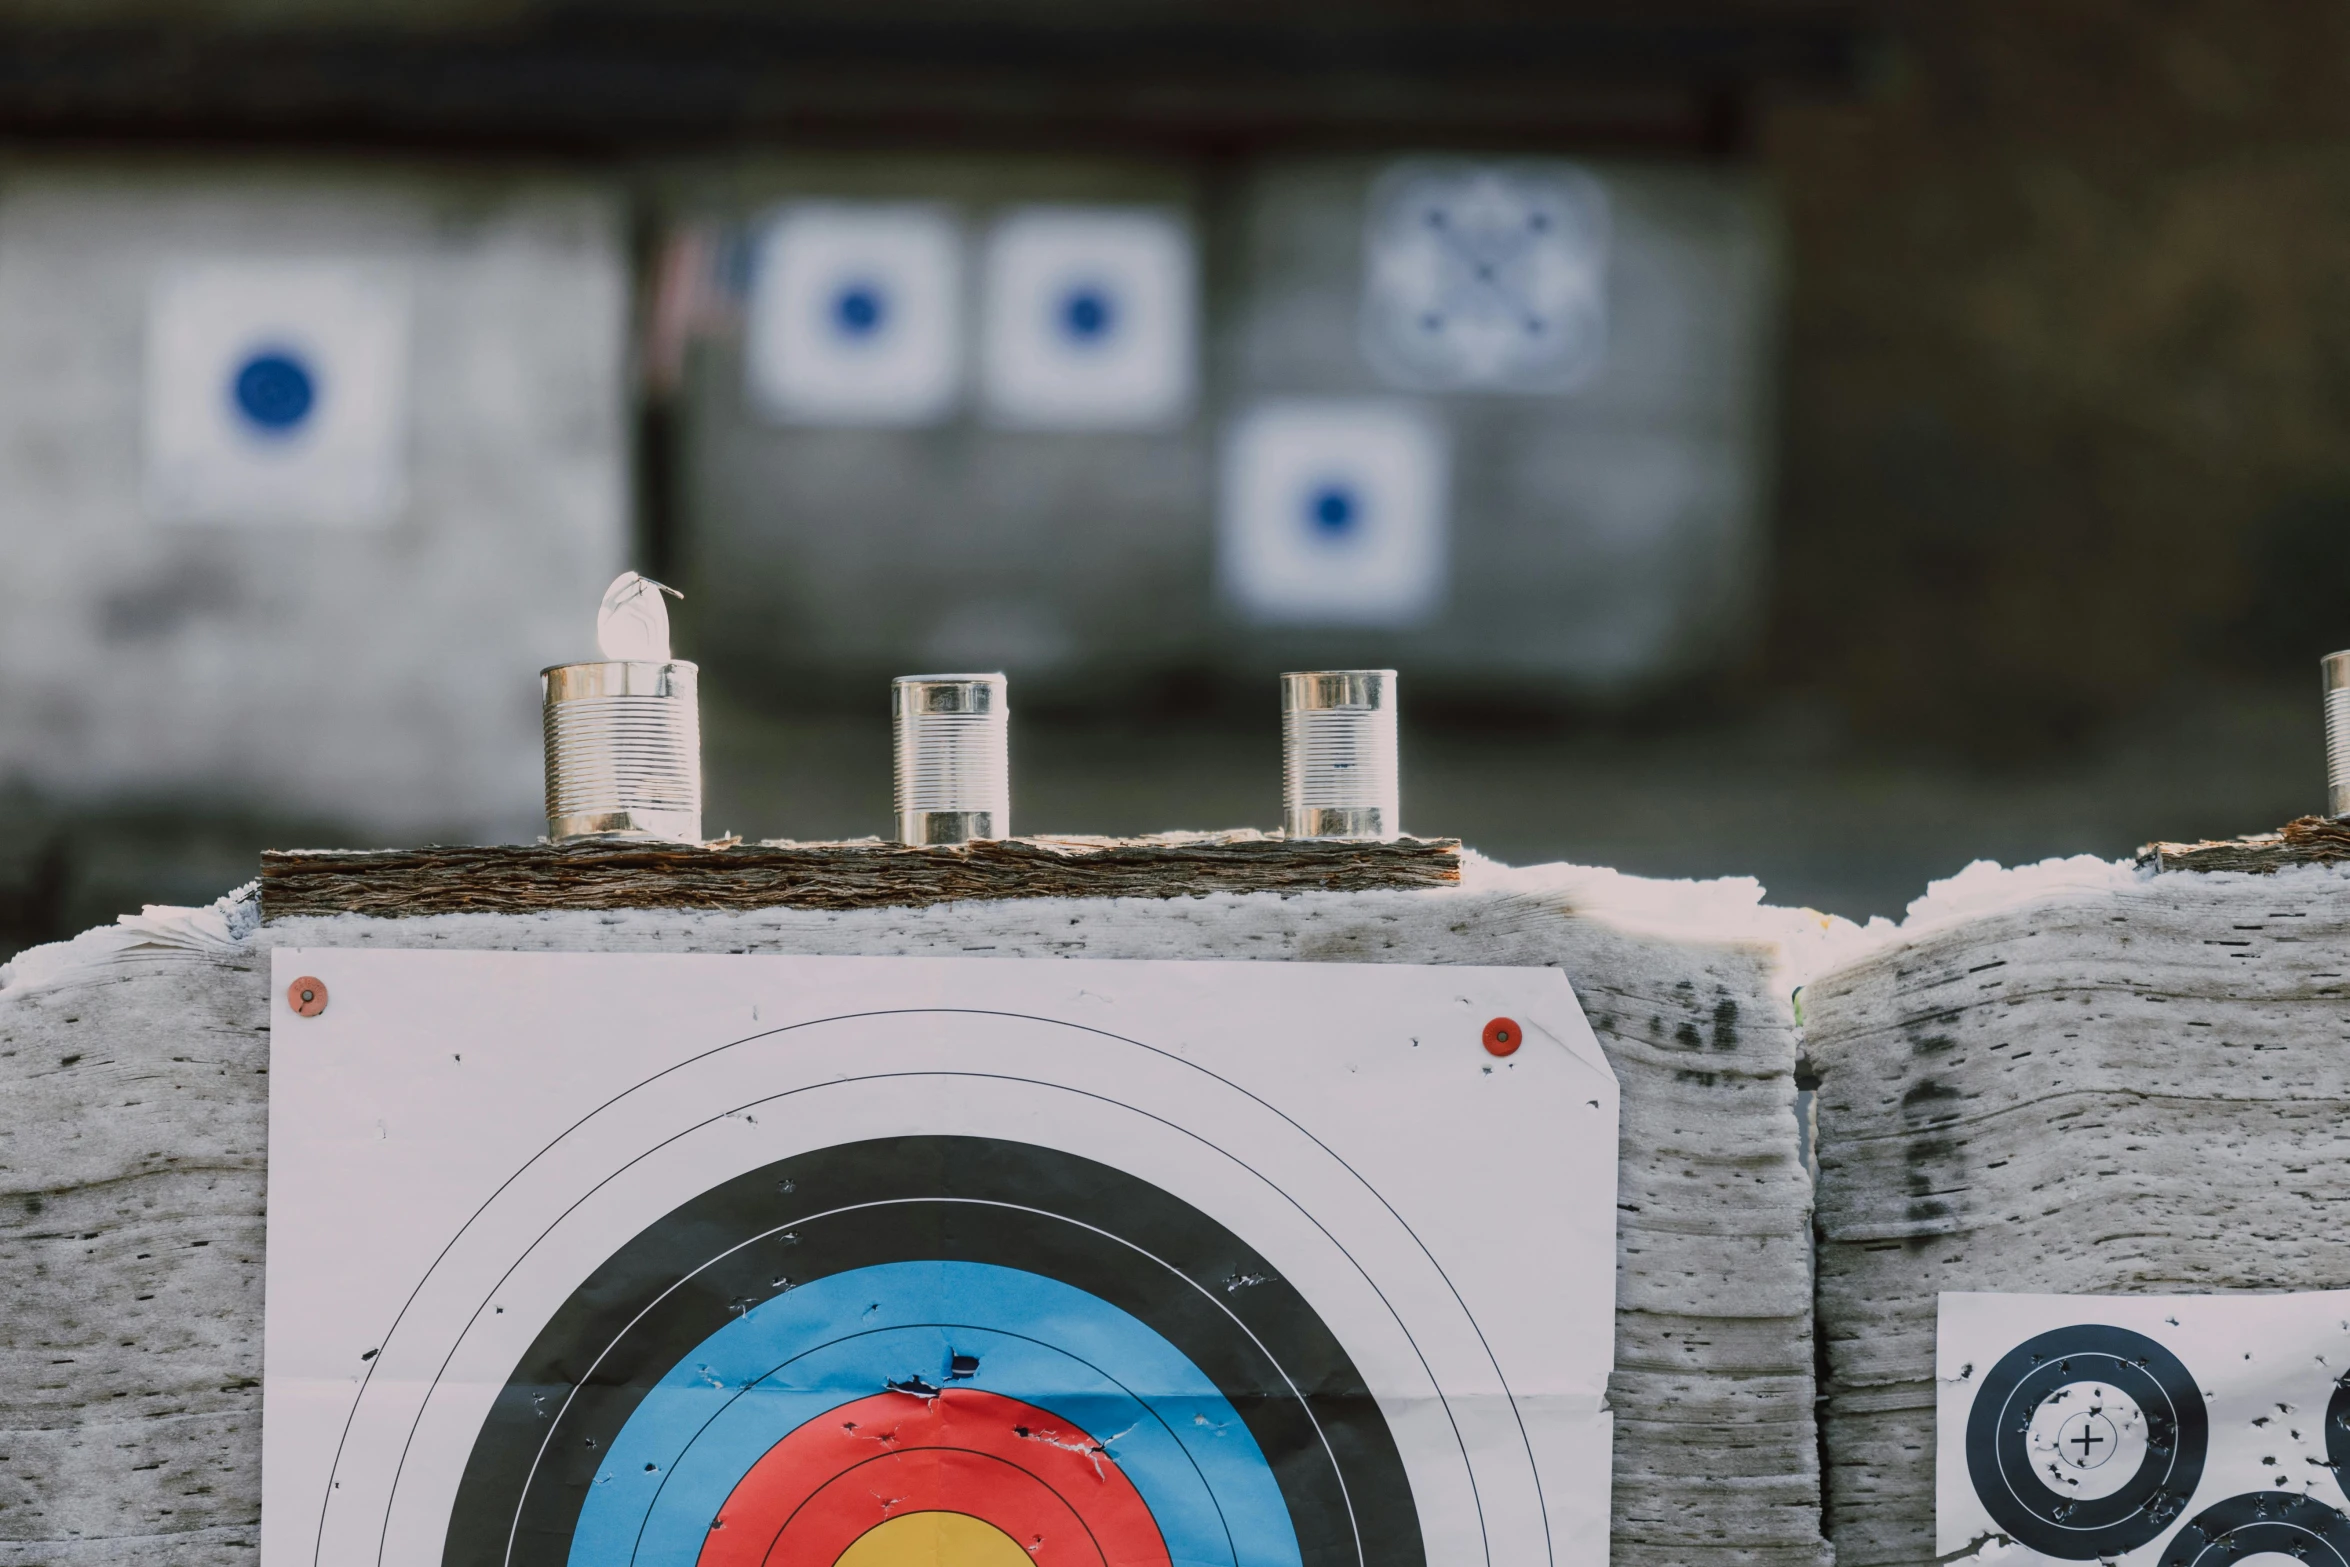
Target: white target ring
(2087,1440)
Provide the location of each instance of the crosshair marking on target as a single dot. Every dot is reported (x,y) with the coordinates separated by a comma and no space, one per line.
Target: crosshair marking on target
(2088,1440)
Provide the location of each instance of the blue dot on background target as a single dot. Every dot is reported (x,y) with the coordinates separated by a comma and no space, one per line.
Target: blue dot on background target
(274,391)
(1333,511)
(1087,315)
(859,310)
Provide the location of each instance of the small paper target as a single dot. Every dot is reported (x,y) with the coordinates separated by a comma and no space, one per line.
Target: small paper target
(2284,1524)
(1486,278)
(1333,513)
(1088,319)
(276,393)
(854,315)
(2087,1441)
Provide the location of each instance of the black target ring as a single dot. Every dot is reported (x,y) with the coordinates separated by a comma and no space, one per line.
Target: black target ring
(2285,1522)
(1999,1459)
(1046,1212)
(2338,1431)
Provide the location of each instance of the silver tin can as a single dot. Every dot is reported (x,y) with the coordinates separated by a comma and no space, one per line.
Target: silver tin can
(954,757)
(624,750)
(1339,772)
(2335,669)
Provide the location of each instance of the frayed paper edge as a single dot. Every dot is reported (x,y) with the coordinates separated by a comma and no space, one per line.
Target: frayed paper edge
(226,924)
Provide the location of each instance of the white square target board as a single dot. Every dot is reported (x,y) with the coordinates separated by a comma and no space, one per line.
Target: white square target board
(1333,513)
(2180,1430)
(587,1259)
(277,392)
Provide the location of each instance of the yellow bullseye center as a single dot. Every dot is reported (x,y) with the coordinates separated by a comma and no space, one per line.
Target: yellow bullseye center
(938,1539)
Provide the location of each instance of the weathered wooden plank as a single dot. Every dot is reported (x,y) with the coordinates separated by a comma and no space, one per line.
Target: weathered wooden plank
(2130,1089)
(2306,840)
(1715,1454)
(608,874)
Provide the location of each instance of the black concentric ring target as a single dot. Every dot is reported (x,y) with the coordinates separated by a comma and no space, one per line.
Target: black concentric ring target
(1999,1460)
(2285,1522)
(2338,1432)
(930,1198)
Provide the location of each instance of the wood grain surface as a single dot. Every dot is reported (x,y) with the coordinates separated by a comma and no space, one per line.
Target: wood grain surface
(608,874)
(2306,840)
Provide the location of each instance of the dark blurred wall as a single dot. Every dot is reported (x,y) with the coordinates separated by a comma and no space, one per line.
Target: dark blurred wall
(2063,376)
(2067,412)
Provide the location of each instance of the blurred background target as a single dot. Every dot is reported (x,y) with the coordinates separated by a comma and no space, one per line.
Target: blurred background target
(278,393)
(1334,514)
(1486,277)
(1089,319)
(855,314)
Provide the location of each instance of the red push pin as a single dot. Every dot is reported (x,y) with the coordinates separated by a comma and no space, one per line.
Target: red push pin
(1503,1036)
(308,997)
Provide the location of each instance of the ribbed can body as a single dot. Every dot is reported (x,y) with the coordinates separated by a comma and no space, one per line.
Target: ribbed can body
(1340,777)
(2336,668)
(624,750)
(953,757)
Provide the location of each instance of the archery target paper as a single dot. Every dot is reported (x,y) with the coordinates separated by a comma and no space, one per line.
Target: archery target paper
(2184,1430)
(588,1259)
(276,392)
(855,315)
(1333,513)
(1088,319)
(1486,278)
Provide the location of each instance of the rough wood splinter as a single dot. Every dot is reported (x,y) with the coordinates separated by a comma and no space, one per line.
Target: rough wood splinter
(523,879)
(2306,840)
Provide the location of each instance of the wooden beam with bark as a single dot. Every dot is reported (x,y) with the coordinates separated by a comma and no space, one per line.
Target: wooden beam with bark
(620,874)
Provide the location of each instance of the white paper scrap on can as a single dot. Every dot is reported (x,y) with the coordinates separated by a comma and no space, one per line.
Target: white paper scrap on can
(277,392)
(1333,513)
(856,314)
(582,1259)
(2186,1430)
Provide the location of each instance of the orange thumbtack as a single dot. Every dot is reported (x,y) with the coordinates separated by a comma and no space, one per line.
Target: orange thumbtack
(1502,1036)
(307,996)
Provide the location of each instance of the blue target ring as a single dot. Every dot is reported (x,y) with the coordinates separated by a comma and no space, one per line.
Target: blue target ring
(812,1349)
(274,391)
(1088,314)
(1333,511)
(859,310)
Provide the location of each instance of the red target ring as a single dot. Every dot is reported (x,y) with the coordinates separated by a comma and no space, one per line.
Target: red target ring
(1503,1036)
(1039,1479)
